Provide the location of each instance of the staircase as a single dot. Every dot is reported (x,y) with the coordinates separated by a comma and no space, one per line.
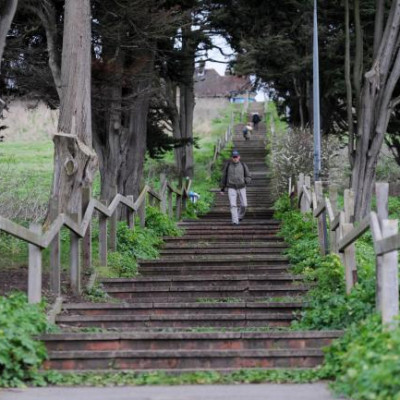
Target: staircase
(219,298)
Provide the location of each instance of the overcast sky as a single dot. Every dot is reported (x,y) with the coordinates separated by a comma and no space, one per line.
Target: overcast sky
(220,67)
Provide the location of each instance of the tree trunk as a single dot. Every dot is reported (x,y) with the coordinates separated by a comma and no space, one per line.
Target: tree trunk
(171,96)
(375,110)
(133,150)
(7,12)
(74,161)
(186,127)
(300,102)
(379,20)
(349,89)
(186,100)
(109,131)
(47,15)
(358,60)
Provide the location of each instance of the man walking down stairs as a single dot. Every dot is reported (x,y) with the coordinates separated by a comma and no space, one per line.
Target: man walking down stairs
(219,298)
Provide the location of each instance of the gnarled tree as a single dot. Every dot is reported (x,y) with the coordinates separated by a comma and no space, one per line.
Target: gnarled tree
(377,104)
(7,12)
(74,160)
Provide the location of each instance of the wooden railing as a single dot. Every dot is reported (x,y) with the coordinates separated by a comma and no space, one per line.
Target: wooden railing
(40,238)
(343,233)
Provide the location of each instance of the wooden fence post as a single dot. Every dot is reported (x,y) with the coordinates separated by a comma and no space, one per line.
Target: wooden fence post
(163,193)
(103,248)
(55,259)
(178,206)
(382,199)
(170,204)
(307,204)
(35,269)
(75,258)
(113,227)
(151,200)
(142,212)
(349,207)
(333,197)
(130,215)
(348,257)
(300,185)
(322,231)
(87,239)
(390,278)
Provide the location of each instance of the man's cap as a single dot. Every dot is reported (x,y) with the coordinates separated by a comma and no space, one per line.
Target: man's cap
(235,153)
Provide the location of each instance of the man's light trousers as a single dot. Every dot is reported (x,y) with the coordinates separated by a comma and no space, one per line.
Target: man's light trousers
(237,212)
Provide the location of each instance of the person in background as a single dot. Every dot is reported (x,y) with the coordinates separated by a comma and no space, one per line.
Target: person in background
(256,120)
(247,132)
(235,177)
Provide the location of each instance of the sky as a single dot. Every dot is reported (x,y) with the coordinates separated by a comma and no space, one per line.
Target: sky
(219,67)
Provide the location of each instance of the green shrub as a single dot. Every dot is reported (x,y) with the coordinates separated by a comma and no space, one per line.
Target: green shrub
(328,305)
(160,223)
(366,362)
(140,243)
(121,265)
(20,354)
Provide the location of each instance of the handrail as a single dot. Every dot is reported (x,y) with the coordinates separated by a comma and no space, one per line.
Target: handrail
(354,234)
(344,234)
(40,238)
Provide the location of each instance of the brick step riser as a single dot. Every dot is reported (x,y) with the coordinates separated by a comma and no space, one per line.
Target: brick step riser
(124,325)
(194,296)
(185,363)
(187,344)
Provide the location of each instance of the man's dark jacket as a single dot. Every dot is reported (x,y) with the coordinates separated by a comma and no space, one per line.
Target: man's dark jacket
(235,175)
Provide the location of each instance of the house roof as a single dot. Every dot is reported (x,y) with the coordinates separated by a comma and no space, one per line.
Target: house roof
(210,83)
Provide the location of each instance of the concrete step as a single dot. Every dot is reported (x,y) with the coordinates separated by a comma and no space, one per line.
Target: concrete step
(237,230)
(221,250)
(201,270)
(199,291)
(204,221)
(193,320)
(215,238)
(248,259)
(222,228)
(175,283)
(202,307)
(224,245)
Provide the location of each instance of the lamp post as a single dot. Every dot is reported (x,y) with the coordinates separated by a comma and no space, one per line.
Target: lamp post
(317,122)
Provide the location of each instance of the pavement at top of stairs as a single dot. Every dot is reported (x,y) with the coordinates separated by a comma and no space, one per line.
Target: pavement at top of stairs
(316,391)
